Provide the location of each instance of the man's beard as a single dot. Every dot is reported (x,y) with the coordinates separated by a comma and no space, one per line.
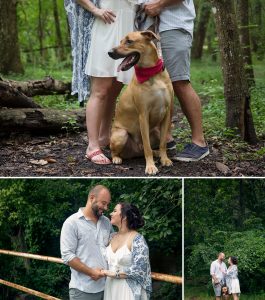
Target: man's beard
(96,211)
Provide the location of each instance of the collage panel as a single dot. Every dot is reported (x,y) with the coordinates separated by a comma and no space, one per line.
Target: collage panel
(124,236)
(224,239)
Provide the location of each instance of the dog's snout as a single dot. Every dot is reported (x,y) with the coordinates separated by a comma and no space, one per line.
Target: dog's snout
(114,54)
(111,53)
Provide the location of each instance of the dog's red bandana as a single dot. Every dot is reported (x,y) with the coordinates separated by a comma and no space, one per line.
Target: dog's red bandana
(144,74)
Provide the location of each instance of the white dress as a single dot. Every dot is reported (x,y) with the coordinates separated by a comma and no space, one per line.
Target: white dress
(235,286)
(118,289)
(106,36)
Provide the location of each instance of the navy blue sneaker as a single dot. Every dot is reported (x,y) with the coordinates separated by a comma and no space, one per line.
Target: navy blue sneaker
(192,152)
(170,145)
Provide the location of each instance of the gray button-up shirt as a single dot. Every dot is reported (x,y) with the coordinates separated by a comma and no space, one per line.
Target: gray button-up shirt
(217,268)
(86,240)
(179,16)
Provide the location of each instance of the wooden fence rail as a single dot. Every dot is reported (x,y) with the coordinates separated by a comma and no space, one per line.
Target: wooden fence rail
(155,276)
(27,290)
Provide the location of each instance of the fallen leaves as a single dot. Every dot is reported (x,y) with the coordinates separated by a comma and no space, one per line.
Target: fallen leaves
(40,162)
(222,168)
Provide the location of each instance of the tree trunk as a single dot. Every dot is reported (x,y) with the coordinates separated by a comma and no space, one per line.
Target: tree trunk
(9,46)
(19,244)
(40,29)
(200,30)
(41,120)
(257,20)
(242,207)
(47,86)
(210,36)
(243,21)
(13,98)
(238,112)
(60,53)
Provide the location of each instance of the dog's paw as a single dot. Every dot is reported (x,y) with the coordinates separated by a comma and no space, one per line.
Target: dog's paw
(116,160)
(166,162)
(151,170)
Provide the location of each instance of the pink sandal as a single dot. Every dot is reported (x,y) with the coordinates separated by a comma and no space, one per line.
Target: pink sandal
(102,161)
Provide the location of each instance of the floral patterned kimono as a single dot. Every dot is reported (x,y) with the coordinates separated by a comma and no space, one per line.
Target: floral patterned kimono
(139,274)
(232,281)
(80,23)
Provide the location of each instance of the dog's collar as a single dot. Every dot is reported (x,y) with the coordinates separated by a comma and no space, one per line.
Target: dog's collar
(144,74)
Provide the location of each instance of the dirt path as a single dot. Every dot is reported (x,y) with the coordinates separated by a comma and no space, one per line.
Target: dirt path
(63,155)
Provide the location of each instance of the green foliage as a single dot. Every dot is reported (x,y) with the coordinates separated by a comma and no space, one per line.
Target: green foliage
(30,16)
(32,212)
(168,292)
(228,216)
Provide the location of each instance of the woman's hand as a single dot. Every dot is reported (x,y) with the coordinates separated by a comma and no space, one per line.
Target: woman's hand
(106,15)
(108,273)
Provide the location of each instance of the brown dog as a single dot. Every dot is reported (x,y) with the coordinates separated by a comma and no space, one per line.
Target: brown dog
(144,107)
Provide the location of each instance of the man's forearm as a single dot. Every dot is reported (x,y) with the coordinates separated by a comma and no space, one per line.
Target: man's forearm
(166,3)
(80,267)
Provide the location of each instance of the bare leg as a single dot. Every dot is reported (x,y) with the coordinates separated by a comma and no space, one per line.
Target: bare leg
(95,113)
(191,107)
(108,112)
(235,296)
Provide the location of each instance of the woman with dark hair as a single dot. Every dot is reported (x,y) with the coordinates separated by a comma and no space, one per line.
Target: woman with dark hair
(231,278)
(129,274)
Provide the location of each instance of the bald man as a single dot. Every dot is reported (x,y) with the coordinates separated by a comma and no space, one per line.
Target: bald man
(84,237)
(217,271)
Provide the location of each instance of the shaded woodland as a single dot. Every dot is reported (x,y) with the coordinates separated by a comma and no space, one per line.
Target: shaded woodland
(32,212)
(225,216)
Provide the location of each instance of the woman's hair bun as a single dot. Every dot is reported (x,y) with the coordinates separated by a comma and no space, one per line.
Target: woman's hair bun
(133,215)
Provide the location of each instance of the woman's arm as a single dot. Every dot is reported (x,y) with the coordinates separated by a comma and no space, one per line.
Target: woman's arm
(105,15)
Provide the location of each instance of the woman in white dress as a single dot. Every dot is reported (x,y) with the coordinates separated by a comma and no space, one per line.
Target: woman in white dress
(96,27)
(129,274)
(231,278)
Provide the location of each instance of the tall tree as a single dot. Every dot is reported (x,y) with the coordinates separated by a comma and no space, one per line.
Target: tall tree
(200,29)
(238,111)
(10,60)
(59,39)
(258,32)
(41,29)
(243,21)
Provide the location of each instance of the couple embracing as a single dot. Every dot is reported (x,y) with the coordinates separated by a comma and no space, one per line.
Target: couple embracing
(106,265)
(225,280)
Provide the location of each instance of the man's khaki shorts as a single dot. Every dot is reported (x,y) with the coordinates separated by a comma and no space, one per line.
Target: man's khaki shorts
(176,47)
(75,294)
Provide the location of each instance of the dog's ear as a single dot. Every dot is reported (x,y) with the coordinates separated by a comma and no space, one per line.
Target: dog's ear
(150,35)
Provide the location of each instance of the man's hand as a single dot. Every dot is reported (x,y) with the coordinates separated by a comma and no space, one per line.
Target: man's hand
(153,8)
(96,274)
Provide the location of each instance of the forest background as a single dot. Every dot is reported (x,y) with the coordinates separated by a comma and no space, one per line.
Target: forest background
(224,216)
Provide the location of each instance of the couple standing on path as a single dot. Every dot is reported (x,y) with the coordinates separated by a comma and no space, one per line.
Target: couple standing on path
(223,277)
(96,27)
(106,265)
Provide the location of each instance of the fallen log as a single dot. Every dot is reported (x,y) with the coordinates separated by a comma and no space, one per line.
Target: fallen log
(46,86)
(13,97)
(41,120)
